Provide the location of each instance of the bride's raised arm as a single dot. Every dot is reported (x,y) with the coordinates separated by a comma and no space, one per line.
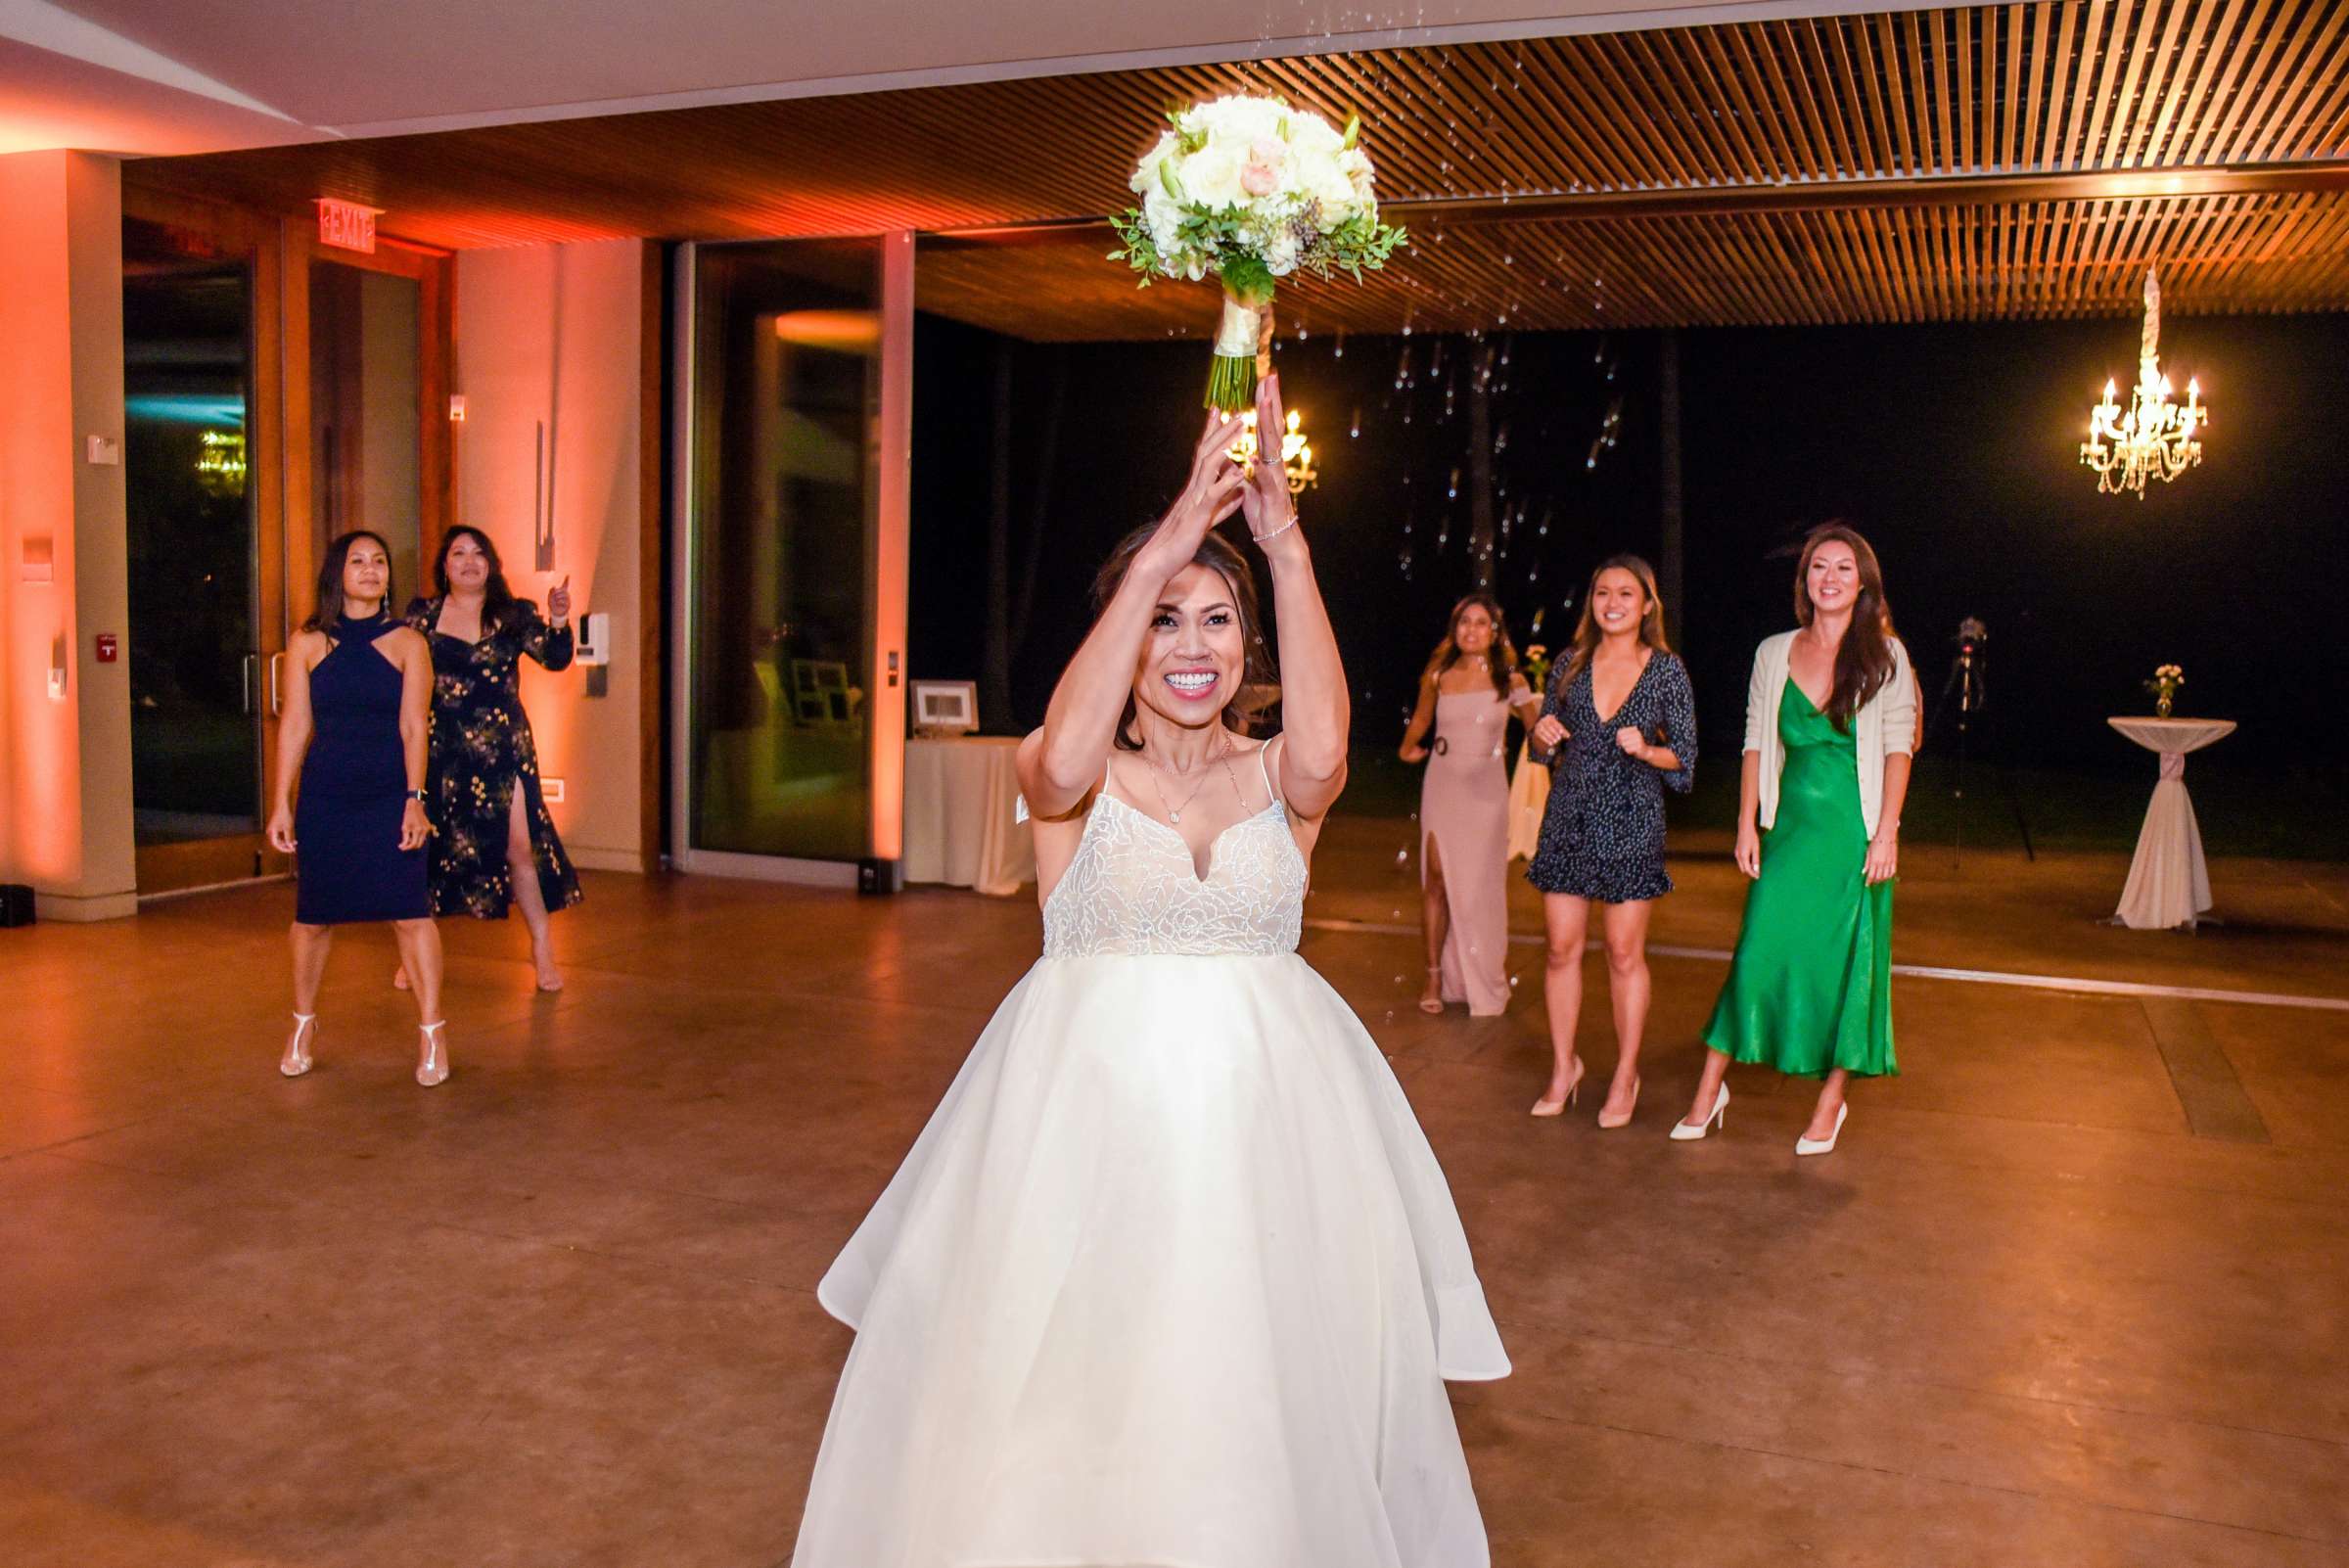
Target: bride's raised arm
(1061,764)
(1317,717)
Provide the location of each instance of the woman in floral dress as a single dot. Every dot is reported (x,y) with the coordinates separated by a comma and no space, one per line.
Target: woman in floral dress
(488,811)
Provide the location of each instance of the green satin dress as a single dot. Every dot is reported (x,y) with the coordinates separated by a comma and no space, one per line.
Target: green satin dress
(1809,988)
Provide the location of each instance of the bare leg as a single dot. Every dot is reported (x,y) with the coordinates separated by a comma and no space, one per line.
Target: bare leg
(311,945)
(420,955)
(522,873)
(1830,1100)
(1628,988)
(1708,1087)
(1435,921)
(1567,921)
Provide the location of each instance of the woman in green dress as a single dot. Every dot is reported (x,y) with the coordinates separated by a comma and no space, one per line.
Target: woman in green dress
(1830,726)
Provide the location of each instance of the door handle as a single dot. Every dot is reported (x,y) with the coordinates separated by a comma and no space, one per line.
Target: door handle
(244,683)
(276,704)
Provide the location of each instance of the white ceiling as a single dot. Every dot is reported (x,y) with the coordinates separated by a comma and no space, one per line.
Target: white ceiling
(169,77)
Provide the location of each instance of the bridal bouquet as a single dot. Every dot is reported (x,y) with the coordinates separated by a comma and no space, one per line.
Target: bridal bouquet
(1252,190)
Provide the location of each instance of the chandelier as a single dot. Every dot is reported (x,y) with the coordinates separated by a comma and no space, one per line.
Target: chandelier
(1296,453)
(2155,438)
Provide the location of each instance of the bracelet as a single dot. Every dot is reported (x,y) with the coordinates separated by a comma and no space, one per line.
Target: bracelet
(1278,532)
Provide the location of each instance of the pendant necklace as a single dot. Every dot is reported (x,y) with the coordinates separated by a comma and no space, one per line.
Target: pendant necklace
(1174,811)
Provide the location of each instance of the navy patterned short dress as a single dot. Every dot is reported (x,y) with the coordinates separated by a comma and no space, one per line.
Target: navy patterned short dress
(1602,836)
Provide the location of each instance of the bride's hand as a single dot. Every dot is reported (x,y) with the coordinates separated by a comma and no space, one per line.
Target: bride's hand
(1209,497)
(1271,510)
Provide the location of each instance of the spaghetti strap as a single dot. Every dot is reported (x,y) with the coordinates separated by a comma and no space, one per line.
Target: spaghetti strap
(1264,754)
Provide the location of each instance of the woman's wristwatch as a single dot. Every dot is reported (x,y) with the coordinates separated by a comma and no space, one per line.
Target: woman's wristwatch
(419,797)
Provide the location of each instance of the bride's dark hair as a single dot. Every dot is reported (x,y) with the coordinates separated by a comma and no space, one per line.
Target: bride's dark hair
(1257,674)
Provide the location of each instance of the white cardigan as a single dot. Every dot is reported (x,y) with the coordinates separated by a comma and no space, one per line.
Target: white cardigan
(1886,724)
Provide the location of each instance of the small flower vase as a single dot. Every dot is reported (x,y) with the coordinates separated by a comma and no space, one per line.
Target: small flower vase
(2161,705)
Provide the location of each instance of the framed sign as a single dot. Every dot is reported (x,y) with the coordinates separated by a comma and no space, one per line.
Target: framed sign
(945,706)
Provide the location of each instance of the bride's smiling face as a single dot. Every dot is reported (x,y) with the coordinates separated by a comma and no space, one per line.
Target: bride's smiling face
(1195,652)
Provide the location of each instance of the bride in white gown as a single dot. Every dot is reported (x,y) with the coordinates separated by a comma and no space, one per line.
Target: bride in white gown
(1172,1278)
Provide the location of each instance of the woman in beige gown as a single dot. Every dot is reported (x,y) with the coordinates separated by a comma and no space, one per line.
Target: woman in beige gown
(1466,696)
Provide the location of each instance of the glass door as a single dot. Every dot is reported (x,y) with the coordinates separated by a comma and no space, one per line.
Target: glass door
(366,412)
(198,645)
(778,649)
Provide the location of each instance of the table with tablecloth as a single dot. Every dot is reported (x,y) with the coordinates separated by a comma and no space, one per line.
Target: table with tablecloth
(961,828)
(1528,800)
(2169,882)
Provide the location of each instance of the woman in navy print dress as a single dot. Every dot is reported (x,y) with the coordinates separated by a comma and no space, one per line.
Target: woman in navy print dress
(1619,727)
(495,842)
(355,728)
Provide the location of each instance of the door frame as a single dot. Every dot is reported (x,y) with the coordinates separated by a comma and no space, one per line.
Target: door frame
(232,234)
(888,536)
(433,271)
(279,252)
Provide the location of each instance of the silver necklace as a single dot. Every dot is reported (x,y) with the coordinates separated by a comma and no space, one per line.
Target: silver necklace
(1174,811)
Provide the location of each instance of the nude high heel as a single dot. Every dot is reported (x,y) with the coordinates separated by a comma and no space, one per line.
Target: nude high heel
(296,1060)
(1825,1145)
(431,1067)
(1625,1120)
(1558,1107)
(1434,1004)
(1682,1132)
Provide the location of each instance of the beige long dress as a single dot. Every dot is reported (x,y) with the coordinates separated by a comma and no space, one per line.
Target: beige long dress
(1464,808)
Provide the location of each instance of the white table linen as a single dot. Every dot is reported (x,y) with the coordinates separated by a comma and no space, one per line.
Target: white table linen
(960,824)
(2169,881)
(1529,799)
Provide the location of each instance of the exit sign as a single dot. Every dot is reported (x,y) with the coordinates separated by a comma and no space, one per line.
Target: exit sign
(346,225)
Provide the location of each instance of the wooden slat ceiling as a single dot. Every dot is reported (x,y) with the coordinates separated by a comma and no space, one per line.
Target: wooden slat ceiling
(2025,160)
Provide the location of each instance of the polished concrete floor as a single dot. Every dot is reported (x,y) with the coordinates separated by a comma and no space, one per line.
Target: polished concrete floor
(2075,1290)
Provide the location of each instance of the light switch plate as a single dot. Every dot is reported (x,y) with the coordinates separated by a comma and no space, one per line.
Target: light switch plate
(551,789)
(105,451)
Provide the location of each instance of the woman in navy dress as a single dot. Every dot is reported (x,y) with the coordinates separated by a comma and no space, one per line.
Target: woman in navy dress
(1620,723)
(356,724)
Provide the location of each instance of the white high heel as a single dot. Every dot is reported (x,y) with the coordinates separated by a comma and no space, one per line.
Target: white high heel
(1682,1132)
(432,1066)
(296,1060)
(1825,1145)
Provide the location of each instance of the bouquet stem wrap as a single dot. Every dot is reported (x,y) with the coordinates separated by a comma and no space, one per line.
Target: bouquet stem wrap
(1240,349)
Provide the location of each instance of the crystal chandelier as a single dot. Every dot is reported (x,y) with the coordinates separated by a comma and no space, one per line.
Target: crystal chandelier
(1296,453)
(2155,438)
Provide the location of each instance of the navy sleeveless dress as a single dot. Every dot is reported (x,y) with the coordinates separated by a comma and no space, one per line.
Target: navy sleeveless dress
(349,865)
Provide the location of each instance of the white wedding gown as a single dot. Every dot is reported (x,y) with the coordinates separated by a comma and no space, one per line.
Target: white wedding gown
(1172,1278)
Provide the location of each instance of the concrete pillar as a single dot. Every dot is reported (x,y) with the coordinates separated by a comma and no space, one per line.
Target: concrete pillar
(65,770)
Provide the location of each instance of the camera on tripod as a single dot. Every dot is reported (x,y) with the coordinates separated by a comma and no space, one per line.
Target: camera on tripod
(1966,670)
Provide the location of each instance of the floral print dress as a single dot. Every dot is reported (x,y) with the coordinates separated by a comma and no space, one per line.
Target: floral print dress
(481,753)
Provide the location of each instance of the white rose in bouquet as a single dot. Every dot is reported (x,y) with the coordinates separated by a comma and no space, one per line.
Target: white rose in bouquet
(1252,191)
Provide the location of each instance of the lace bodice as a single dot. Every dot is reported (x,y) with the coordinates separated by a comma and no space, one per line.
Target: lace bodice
(1131,888)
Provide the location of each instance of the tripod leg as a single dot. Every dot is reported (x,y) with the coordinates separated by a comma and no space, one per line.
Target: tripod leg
(2022,824)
